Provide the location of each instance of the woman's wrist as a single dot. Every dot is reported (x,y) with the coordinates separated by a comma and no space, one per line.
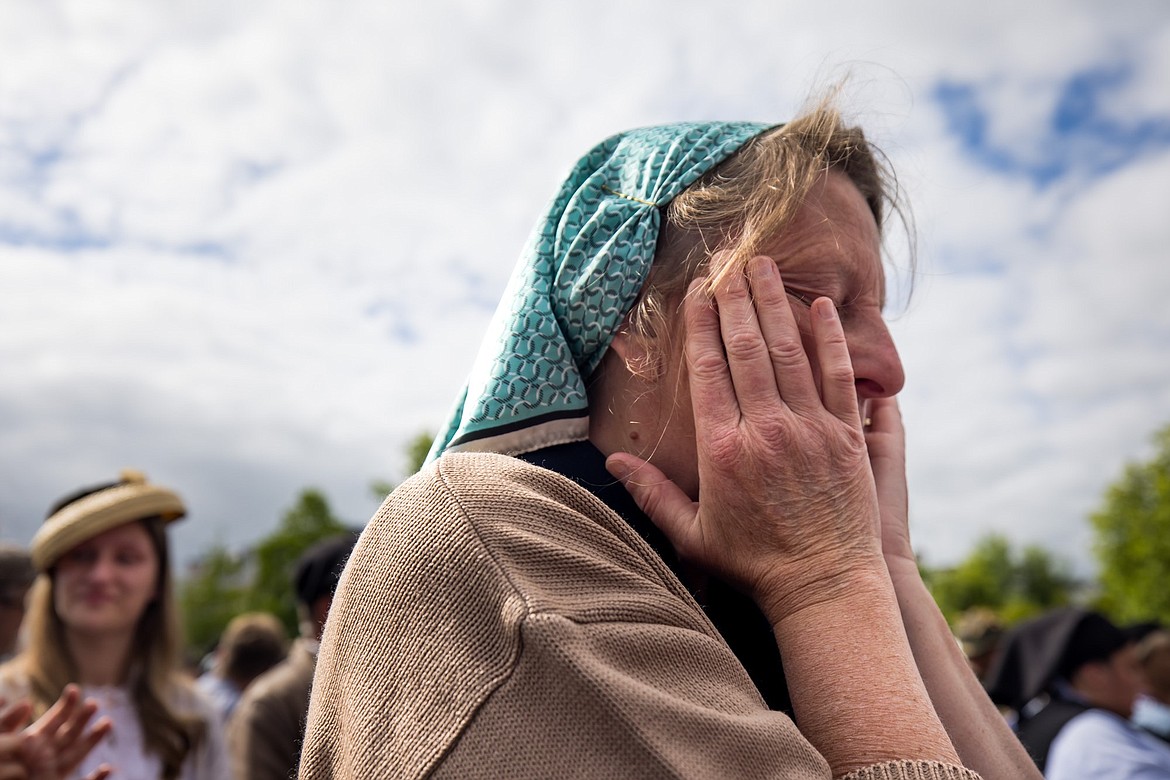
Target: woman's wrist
(821,586)
(903,570)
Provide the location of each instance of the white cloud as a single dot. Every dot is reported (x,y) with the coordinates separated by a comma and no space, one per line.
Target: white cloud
(299,217)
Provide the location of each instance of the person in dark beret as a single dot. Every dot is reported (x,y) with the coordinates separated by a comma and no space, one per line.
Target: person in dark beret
(266,730)
(1072,677)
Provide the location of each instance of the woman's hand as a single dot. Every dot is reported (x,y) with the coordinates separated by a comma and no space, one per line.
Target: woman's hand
(885,439)
(787,509)
(53,746)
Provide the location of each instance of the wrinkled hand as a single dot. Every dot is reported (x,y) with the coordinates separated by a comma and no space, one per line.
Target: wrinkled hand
(787,506)
(886,441)
(53,746)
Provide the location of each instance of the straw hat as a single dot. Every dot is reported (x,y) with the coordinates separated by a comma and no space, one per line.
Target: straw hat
(131,498)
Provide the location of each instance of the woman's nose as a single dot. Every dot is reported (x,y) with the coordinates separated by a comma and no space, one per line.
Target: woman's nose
(877,369)
(102,568)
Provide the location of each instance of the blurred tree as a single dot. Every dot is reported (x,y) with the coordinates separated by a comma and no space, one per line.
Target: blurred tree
(211,596)
(308,521)
(1012,585)
(1132,542)
(224,585)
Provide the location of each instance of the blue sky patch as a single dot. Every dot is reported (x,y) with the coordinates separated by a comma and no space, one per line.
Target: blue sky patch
(1082,136)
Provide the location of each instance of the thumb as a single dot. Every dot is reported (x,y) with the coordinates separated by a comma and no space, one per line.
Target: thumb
(664,502)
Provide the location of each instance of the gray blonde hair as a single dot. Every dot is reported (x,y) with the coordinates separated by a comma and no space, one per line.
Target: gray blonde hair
(741,204)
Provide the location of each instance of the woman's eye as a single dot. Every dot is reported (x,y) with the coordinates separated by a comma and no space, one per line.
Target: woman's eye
(80,556)
(807,298)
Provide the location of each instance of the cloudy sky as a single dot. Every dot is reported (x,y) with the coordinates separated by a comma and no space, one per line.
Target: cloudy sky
(251,247)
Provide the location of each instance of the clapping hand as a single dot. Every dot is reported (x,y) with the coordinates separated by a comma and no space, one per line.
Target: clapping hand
(52,747)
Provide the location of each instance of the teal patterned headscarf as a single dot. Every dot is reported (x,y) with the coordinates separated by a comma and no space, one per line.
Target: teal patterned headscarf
(577,278)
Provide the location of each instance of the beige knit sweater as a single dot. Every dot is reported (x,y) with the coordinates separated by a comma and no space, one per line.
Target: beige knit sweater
(498,621)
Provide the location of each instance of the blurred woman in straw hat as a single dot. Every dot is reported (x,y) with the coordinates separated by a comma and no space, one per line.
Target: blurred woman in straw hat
(102,615)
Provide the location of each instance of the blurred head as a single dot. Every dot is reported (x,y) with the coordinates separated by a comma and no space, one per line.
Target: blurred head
(1100,662)
(812,195)
(979,632)
(105,571)
(315,579)
(105,562)
(1111,683)
(252,643)
(16,576)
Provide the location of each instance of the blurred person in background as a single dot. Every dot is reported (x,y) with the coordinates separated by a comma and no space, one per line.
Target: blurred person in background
(102,616)
(1072,676)
(979,632)
(1152,710)
(251,644)
(16,577)
(266,732)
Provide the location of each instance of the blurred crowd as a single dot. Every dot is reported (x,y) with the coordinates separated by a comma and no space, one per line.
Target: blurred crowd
(91,683)
(1086,697)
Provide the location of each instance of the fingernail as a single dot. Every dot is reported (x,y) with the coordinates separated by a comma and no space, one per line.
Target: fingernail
(617,468)
(825,308)
(763,266)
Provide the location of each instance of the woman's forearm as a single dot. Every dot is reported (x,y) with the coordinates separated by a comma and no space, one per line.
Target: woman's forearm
(976,728)
(857,695)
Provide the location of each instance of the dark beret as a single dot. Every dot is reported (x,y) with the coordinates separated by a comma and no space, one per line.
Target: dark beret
(319,568)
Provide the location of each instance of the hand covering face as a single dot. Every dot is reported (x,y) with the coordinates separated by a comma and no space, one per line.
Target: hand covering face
(578,277)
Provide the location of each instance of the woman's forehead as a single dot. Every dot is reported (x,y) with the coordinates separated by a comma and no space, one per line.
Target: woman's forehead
(833,239)
(132,532)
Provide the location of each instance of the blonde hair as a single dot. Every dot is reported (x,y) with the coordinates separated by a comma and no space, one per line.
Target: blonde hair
(155,679)
(735,209)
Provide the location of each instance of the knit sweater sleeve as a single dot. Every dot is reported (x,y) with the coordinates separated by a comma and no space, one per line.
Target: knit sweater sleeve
(495,620)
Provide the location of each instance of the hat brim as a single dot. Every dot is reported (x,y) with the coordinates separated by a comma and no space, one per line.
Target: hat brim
(99,512)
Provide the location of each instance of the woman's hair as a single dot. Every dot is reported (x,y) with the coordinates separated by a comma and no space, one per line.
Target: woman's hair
(154,677)
(742,203)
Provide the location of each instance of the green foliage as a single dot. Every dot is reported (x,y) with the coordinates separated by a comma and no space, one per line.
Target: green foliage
(260,580)
(1132,543)
(308,521)
(1012,585)
(211,597)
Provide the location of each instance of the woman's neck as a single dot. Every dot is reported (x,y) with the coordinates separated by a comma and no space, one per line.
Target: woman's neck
(101,659)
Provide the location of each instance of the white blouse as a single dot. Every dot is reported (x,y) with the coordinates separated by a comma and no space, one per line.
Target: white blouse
(124,748)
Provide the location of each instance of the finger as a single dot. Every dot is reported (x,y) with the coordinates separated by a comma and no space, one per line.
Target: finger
(708,376)
(14,716)
(885,440)
(748,361)
(101,773)
(667,506)
(789,361)
(9,745)
(10,748)
(75,752)
(73,726)
(12,768)
(51,721)
(838,389)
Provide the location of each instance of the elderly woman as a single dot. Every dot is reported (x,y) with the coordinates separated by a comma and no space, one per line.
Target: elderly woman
(699,315)
(102,617)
